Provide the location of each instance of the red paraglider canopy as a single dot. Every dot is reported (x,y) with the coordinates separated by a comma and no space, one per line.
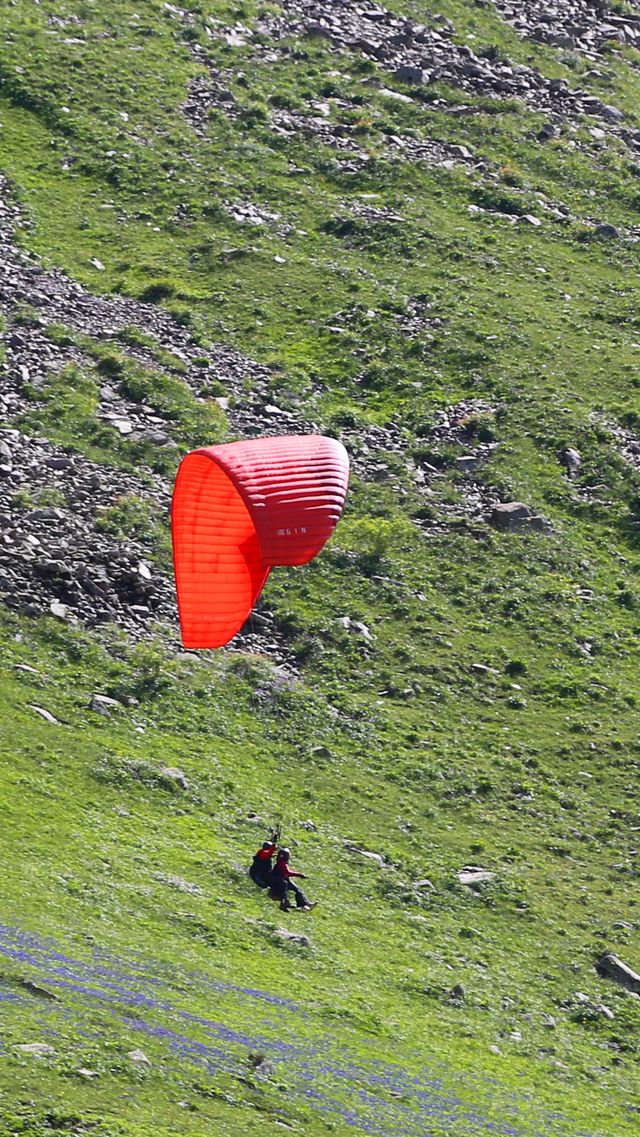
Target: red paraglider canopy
(241,508)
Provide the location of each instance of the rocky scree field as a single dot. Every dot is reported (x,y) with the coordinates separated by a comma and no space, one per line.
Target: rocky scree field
(415,229)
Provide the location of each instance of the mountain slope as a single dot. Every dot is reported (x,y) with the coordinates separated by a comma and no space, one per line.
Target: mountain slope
(416,232)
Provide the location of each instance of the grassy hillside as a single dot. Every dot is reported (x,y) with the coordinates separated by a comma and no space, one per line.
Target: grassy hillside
(227,220)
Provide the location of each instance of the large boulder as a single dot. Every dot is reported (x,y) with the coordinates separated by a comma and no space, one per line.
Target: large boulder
(572,460)
(611,967)
(516,517)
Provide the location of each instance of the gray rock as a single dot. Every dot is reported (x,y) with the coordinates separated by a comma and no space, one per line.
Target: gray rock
(467,463)
(103,705)
(378,860)
(484,669)
(606,230)
(61,611)
(425,884)
(175,776)
(572,460)
(355,626)
(414,76)
(546,132)
(321,752)
(59,462)
(470,876)
(292,937)
(37,1049)
(43,713)
(515,517)
(611,967)
(138,1057)
(38,991)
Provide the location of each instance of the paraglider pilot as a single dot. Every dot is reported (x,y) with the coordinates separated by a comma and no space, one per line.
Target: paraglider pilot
(282,884)
(262,864)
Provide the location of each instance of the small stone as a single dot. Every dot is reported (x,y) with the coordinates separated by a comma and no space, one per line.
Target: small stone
(84,1073)
(97,264)
(413,76)
(607,230)
(45,714)
(372,857)
(612,967)
(355,626)
(138,1057)
(572,460)
(175,776)
(467,463)
(59,463)
(102,705)
(38,991)
(61,611)
(461,151)
(321,752)
(515,517)
(457,994)
(37,1049)
(470,876)
(397,95)
(483,669)
(292,937)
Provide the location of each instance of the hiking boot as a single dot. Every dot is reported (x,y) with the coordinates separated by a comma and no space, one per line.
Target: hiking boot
(285,906)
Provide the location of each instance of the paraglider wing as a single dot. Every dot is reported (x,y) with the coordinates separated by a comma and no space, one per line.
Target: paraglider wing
(238,510)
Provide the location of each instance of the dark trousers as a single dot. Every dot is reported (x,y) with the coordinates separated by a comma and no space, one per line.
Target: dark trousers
(301,900)
(262,879)
(280,886)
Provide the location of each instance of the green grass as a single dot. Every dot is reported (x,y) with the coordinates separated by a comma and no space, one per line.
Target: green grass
(395,745)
